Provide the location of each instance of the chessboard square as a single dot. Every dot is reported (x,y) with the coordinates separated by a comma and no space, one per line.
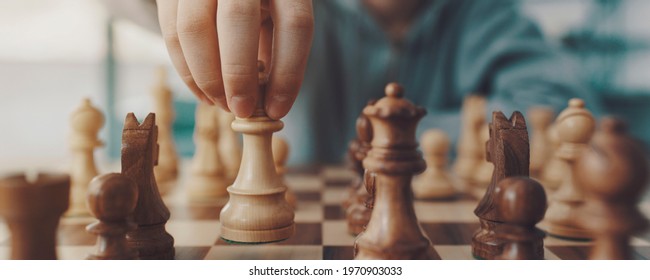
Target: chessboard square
(337,176)
(191,253)
(74,235)
(305,234)
(447,211)
(454,252)
(338,252)
(308,212)
(334,212)
(302,183)
(194,233)
(335,233)
(582,252)
(265,252)
(335,196)
(311,196)
(464,252)
(450,233)
(551,240)
(74,252)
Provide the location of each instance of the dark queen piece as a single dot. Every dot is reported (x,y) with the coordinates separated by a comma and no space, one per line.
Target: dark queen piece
(393,231)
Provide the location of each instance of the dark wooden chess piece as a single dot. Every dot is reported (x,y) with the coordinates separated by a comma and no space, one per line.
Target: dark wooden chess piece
(521,203)
(32,210)
(393,231)
(612,173)
(358,213)
(139,156)
(112,199)
(508,150)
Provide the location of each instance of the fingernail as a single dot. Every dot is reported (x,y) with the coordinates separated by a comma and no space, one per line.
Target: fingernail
(277,106)
(242,105)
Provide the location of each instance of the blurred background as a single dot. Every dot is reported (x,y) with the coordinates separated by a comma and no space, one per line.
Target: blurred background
(55,52)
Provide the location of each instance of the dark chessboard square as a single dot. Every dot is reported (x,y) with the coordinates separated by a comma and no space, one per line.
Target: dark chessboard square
(582,252)
(191,253)
(338,252)
(74,235)
(450,233)
(337,182)
(304,170)
(308,196)
(196,212)
(334,212)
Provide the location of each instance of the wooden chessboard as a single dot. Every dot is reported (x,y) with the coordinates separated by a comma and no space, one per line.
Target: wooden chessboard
(321,229)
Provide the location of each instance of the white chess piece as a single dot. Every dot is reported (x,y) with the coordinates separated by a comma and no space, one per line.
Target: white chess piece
(257,210)
(166,171)
(434,182)
(86,122)
(207,181)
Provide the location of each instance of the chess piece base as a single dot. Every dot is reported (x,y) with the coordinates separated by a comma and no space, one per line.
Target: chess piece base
(485,244)
(152,243)
(257,217)
(367,250)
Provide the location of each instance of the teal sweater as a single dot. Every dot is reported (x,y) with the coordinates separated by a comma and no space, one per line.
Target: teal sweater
(454,48)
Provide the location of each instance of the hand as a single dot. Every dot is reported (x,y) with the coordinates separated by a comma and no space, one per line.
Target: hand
(215,45)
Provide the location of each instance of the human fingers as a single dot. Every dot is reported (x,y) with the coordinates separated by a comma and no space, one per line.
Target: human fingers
(167,15)
(238,29)
(292,36)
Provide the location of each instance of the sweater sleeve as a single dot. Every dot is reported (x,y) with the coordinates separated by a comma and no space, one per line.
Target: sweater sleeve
(503,54)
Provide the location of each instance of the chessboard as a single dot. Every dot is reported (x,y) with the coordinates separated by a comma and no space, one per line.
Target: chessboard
(321,227)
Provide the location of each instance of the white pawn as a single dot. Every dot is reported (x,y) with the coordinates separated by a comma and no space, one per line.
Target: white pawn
(229,146)
(86,122)
(434,182)
(280,149)
(166,171)
(483,175)
(207,182)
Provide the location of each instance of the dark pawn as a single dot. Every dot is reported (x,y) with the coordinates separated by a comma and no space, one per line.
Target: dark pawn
(613,174)
(521,202)
(112,199)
